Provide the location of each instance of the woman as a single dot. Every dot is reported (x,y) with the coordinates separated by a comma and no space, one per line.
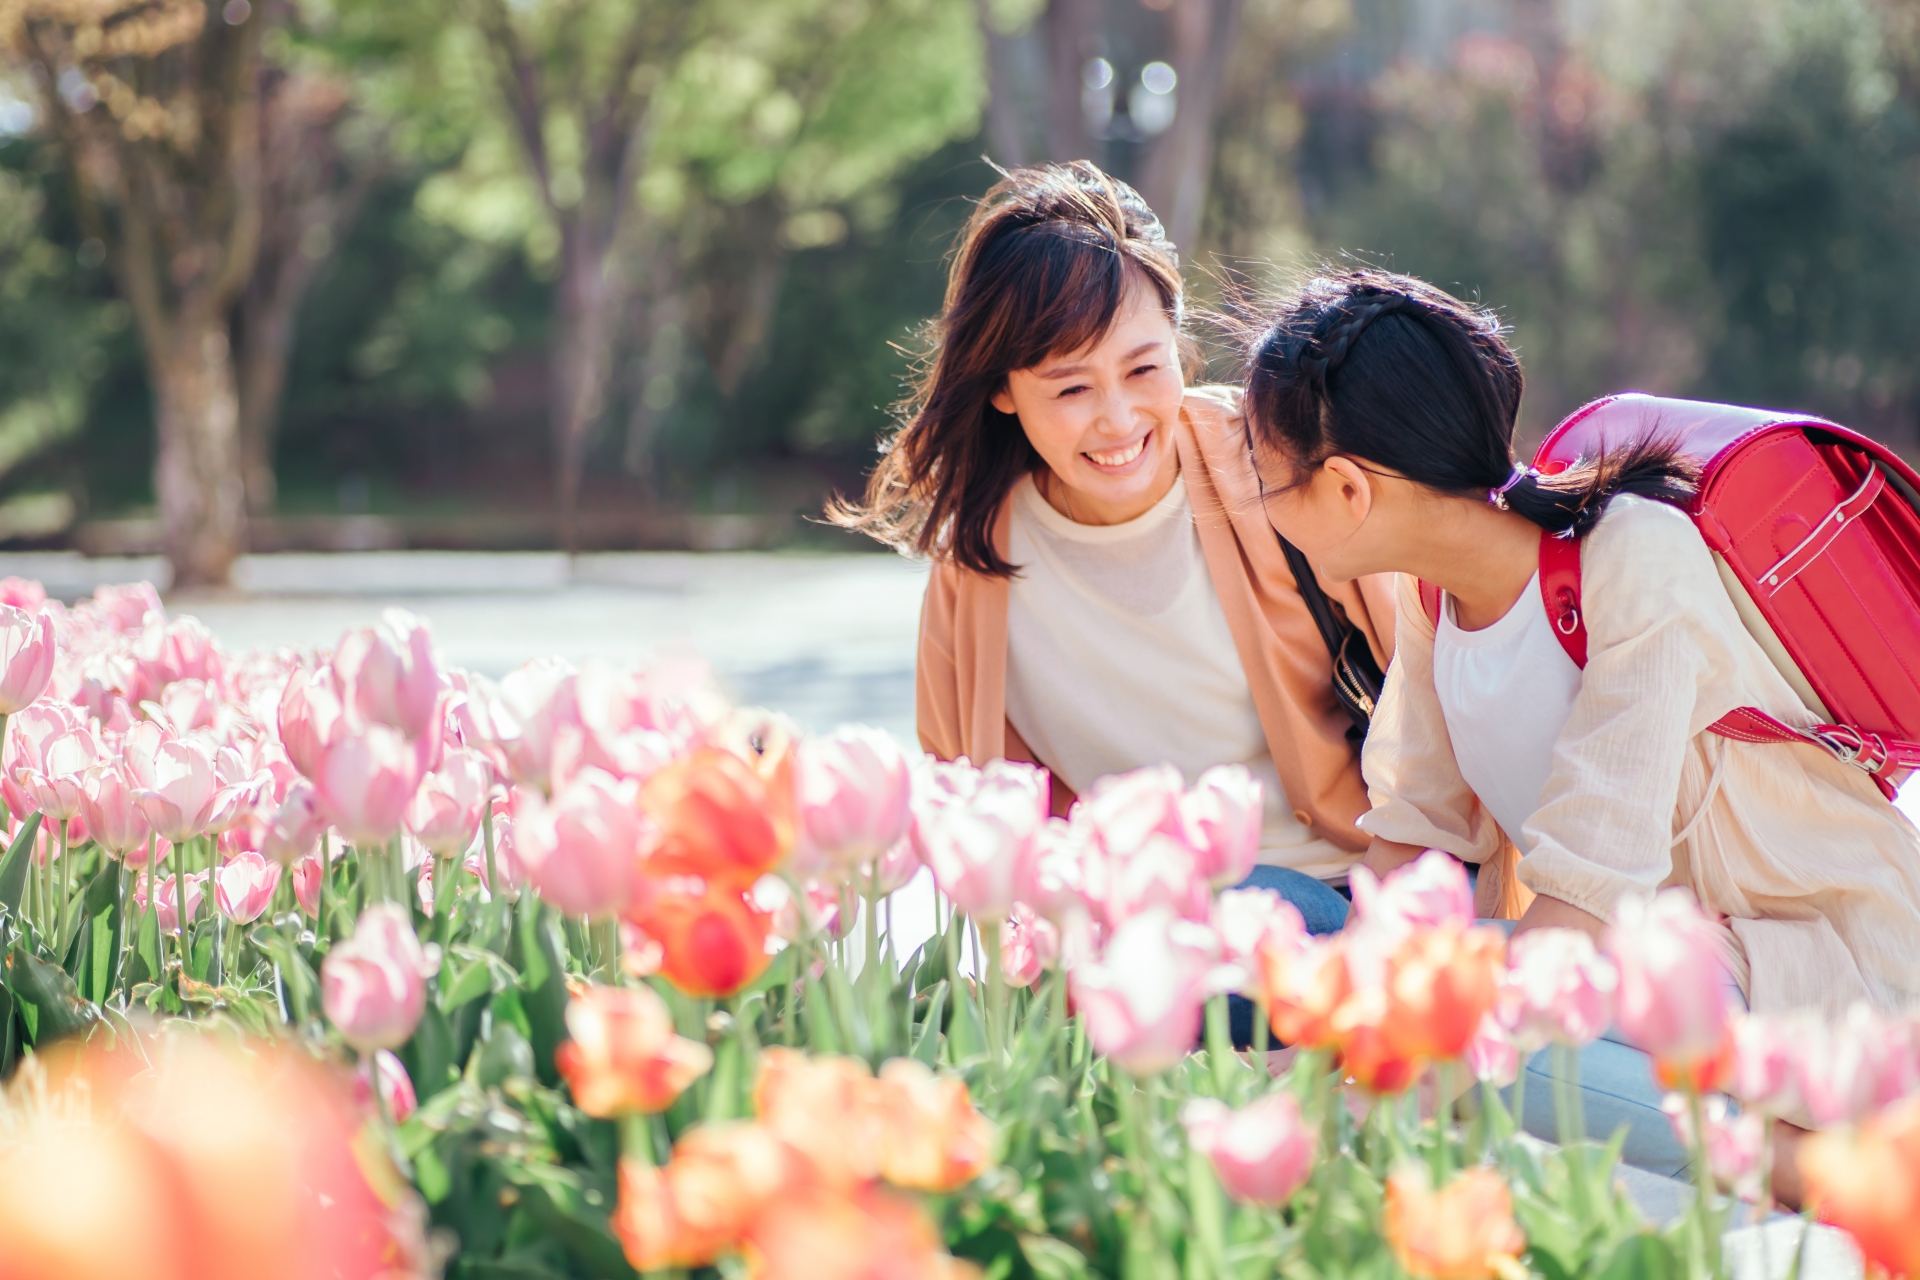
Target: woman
(1105,593)
(1383,412)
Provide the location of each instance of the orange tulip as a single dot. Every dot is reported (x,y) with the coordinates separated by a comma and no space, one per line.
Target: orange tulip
(207,1164)
(711,939)
(1464,1231)
(934,1138)
(624,1057)
(1866,1181)
(1305,987)
(869,1235)
(718,818)
(1369,1052)
(826,1108)
(1440,983)
(702,1204)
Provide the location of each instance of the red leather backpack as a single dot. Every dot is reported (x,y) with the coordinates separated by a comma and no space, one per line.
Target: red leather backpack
(1816,532)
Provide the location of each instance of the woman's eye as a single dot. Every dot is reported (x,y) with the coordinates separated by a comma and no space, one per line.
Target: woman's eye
(1071,391)
(1145,368)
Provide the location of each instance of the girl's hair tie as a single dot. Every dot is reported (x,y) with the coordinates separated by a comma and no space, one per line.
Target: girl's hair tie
(1498,497)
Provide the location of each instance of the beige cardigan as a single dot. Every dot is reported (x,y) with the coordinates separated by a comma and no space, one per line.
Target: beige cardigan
(1817,874)
(961,673)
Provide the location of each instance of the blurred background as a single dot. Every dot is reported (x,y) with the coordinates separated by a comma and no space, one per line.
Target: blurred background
(602,275)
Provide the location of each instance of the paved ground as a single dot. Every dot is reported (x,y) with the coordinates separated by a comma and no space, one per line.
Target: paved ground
(827,639)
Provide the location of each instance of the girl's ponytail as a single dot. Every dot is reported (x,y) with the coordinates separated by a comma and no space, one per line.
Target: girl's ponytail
(1390,369)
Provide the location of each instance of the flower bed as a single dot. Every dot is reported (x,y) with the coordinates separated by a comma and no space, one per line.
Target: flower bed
(348,964)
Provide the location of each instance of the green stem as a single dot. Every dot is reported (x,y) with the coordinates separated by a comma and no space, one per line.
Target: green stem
(1706,1243)
(996,994)
(1220,1056)
(66,894)
(179,859)
(1057,996)
(1443,1112)
(320,899)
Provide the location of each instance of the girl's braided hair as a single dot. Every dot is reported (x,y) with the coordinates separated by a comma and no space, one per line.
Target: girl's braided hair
(1388,368)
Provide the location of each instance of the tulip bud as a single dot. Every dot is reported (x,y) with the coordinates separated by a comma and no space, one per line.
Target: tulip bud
(1734,1140)
(1029,946)
(1141,1000)
(244,887)
(1261,1153)
(444,813)
(1673,997)
(582,849)
(717,818)
(294,831)
(373,985)
(1431,890)
(26,657)
(623,1057)
(1464,1231)
(852,796)
(977,845)
(396,1086)
(712,942)
(1224,813)
(1558,989)
(1866,1181)
(181,795)
(112,814)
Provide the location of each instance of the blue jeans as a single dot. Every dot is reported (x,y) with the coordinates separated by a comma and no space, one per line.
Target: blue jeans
(1322,907)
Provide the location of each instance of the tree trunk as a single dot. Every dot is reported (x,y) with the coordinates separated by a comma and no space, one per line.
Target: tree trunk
(1005,130)
(196,473)
(1173,178)
(580,366)
(265,331)
(1072,27)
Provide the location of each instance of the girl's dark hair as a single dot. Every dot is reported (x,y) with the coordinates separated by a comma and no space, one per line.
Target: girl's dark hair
(1390,369)
(1041,269)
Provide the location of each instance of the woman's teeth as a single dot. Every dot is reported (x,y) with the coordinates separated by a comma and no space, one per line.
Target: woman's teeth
(1122,457)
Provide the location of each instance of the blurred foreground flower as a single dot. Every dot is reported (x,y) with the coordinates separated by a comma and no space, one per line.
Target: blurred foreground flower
(624,1057)
(1141,1000)
(208,1164)
(1464,1231)
(1673,1000)
(1261,1153)
(26,657)
(1867,1182)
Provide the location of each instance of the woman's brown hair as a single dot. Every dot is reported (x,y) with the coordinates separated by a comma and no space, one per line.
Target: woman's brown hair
(1041,269)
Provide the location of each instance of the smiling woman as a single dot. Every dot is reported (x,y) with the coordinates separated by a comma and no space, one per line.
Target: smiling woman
(1107,594)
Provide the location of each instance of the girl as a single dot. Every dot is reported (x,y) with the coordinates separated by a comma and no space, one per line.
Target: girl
(1383,415)
(1106,593)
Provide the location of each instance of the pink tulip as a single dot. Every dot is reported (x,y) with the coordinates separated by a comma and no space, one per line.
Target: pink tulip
(1672,1000)
(389,676)
(373,985)
(23,593)
(307,879)
(1558,989)
(525,712)
(1492,1055)
(396,1086)
(1860,1064)
(243,888)
(1766,1060)
(1735,1142)
(853,797)
(582,848)
(294,830)
(180,650)
(1125,810)
(506,853)
(1029,945)
(365,778)
(1428,892)
(1261,1153)
(180,796)
(29,732)
(126,607)
(161,898)
(1160,872)
(57,787)
(975,846)
(1224,813)
(444,813)
(1065,873)
(311,714)
(897,866)
(187,705)
(26,657)
(1248,919)
(1141,1000)
(829,912)
(113,815)
(632,724)
(238,799)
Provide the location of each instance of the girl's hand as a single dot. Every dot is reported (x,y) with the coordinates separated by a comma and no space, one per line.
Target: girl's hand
(1384,857)
(1551,913)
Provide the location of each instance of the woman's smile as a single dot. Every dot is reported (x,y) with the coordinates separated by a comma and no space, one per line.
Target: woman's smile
(1121,460)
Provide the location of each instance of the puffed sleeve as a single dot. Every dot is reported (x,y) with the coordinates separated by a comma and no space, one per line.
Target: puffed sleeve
(1413,782)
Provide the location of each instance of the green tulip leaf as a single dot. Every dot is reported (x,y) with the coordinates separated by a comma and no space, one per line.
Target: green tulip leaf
(13,868)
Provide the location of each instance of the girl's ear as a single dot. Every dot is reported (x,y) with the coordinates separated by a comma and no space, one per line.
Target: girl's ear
(1002,400)
(1354,485)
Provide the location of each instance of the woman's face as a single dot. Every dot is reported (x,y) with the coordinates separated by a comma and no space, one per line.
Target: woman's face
(1102,418)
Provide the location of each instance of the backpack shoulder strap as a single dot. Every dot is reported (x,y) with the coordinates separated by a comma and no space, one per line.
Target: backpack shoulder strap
(1560,592)
(1430,603)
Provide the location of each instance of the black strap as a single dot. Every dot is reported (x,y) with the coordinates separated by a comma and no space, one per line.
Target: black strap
(1357,678)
